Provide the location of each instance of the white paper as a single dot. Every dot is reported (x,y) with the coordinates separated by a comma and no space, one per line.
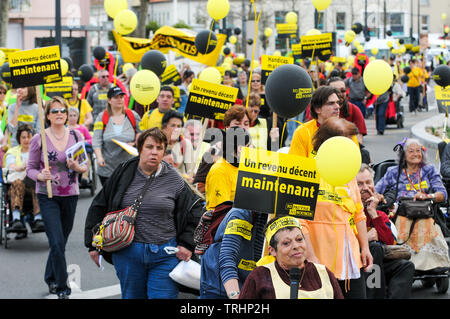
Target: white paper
(130,149)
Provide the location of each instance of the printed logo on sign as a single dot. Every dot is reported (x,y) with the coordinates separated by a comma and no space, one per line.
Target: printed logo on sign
(302,93)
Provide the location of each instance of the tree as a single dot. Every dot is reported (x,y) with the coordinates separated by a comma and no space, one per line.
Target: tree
(140,31)
(4,10)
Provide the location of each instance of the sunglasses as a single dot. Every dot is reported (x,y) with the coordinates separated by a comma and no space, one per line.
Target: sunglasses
(256,81)
(1,92)
(104,76)
(55,111)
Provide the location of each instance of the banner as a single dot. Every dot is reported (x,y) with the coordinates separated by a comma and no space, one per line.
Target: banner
(442,98)
(320,46)
(271,182)
(270,63)
(171,75)
(35,67)
(210,100)
(167,38)
(297,51)
(62,88)
(287,30)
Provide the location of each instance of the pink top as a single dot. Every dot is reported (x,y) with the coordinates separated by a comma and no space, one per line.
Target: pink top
(85,132)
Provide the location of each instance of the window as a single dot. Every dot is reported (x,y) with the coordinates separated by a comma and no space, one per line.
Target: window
(340,20)
(396,21)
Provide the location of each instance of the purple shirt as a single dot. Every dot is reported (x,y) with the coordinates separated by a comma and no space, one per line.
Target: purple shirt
(64,182)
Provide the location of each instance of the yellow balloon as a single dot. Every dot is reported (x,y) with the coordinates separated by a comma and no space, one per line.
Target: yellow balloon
(374,51)
(125,22)
(64,67)
(113,7)
(447,29)
(211,75)
(277,53)
(378,77)
(256,64)
(356,43)
(321,5)
(389,44)
(444,16)
(338,152)
(268,32)
(218,9)
(232,39)
(313,32)
(360,48)
(350,36)
(2,57)
(351,59)
(145,86)
(291,17)
(126,67)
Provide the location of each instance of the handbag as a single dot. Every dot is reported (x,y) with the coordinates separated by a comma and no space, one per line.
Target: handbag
(187,273)
(415,209)
(116,231)
(392,252)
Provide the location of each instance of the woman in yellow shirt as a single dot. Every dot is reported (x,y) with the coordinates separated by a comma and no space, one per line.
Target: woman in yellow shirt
(83,107)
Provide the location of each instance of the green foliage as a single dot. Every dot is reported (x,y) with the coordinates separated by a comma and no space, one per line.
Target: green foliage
(151,26)
(181,25)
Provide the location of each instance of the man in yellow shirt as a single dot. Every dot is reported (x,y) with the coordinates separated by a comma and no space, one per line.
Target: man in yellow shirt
(415,80)
(153,118)
(324,104)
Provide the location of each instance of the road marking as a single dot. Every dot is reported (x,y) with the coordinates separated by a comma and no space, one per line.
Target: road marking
(98,293)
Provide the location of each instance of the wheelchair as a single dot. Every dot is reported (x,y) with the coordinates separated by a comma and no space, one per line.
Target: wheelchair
(91,182)
(6,215)
(437,276)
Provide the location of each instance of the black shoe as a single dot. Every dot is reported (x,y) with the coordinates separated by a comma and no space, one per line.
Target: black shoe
(63,295)
(21,235)
(38,226)
(84,183)
(52,288)
(17,227)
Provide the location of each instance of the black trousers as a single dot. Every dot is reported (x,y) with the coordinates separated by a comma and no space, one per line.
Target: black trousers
(390,279)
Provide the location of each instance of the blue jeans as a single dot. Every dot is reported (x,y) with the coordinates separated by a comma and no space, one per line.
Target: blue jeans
(380,118)
(360,105)
(58,214)
(143,271)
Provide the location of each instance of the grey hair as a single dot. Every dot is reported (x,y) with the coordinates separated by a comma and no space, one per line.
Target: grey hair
(411,141)
(365,167)
(192,122)
(73,109)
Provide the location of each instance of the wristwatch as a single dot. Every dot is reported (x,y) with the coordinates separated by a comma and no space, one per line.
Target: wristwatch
(233,294)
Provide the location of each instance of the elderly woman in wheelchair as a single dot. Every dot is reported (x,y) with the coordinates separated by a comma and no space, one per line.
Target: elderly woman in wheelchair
(416,189)
(14,173)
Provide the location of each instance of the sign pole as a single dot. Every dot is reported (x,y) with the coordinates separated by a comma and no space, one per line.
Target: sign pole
(43,138)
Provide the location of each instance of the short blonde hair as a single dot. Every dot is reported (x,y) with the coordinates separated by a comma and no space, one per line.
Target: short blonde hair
(48,105)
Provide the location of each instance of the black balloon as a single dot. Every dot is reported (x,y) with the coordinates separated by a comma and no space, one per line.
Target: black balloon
(237,31)
(407,69)
(441,75)
(99,53)
(250,41)
(404,78)
(357,27)
(389,32)
(401,41)
(5,72)
(202,44)
(154,61)
(288,90)
(85,72)
(226,51)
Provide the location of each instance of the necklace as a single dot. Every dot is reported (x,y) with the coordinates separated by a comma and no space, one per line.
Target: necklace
(58,138)
(412,184)
(301,278)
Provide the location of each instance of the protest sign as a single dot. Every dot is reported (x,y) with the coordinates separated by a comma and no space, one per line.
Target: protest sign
(35,67)
(270,63)
(62,88)
(287,30)
(210,100)
(171,75)
(271,182)
(320,46)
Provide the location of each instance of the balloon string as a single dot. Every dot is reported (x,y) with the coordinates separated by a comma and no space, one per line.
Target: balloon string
(254,47)
(314,48)
(284,127)
(115,67)
(209,35)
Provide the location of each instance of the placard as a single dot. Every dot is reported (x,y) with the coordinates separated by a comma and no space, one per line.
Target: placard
(271,182)
(171,75)
(35,67)
(287,30)
(270,63)
(320,46)
(442,98)
(210,100)
(62,88)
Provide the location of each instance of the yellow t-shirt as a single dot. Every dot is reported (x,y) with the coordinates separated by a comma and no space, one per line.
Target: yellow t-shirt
(85,108)
(220,183)
(301,144)
(415,77)
(151,118)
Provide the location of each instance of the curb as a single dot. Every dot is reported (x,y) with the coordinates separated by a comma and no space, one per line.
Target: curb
(429,141)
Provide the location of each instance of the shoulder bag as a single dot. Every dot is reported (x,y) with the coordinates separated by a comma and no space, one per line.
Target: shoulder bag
(116,231)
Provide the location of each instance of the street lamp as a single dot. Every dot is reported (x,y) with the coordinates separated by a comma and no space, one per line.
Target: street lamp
(58,24)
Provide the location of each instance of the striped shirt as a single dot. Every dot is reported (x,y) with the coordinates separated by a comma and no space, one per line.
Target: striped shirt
(155,223)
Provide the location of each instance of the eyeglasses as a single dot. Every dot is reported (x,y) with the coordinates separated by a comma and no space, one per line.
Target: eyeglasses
(256,81)
(104,76)
(55,111)
(2,92)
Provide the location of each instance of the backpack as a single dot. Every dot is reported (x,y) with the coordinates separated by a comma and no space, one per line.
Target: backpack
(128,114)
(207,227)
